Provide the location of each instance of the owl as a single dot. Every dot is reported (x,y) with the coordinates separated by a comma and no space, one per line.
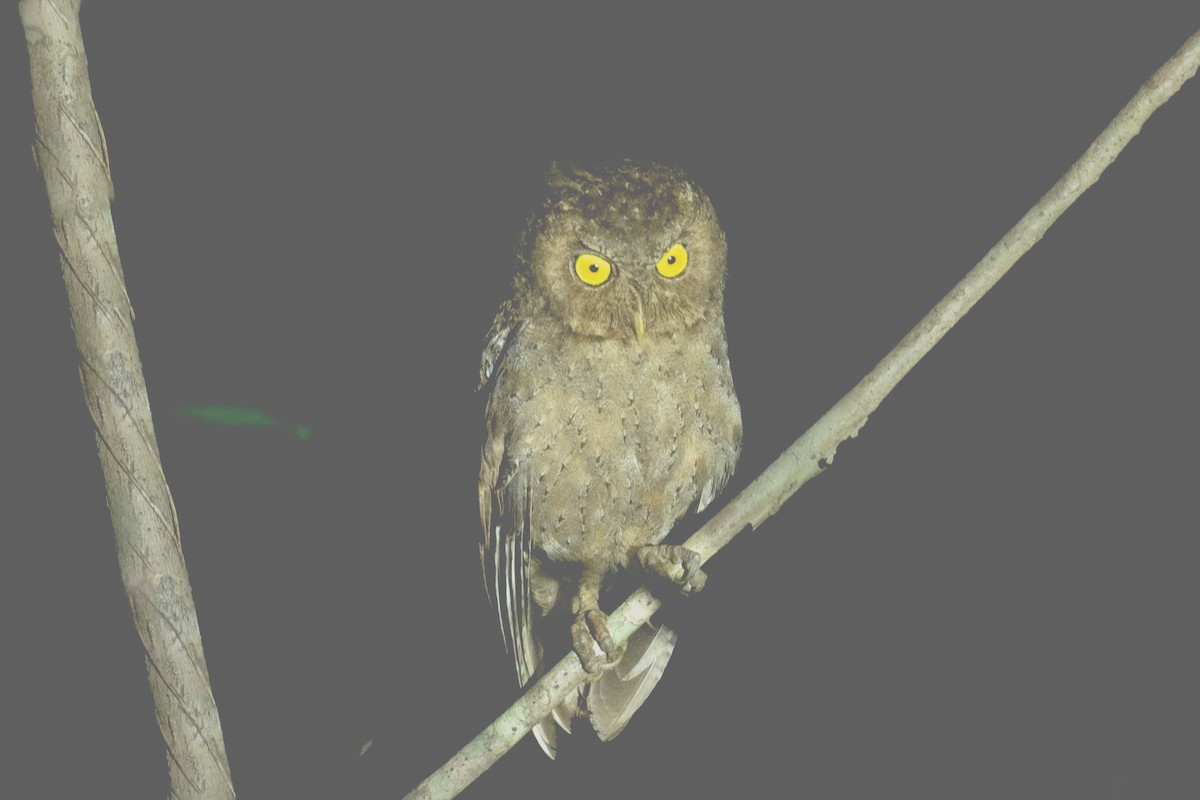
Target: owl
(612,414)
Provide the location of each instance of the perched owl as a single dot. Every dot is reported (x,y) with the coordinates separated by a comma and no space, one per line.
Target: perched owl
(612,413)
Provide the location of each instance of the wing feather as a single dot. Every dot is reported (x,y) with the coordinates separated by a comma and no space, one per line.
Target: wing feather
(507,549)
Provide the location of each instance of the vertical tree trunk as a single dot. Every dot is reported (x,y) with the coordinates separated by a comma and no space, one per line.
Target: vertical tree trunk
(71,152)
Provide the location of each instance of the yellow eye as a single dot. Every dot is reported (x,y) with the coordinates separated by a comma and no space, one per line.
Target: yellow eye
(592,269)
(673,262)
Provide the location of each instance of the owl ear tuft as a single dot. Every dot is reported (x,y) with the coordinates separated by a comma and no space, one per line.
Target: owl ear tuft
(554,176)
(568,176)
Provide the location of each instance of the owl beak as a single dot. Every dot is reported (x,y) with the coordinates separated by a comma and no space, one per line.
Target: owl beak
(639,322)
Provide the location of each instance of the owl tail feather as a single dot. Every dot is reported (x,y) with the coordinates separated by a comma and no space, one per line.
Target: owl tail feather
(547,737)
(544,731)
(612,699)
(618,693)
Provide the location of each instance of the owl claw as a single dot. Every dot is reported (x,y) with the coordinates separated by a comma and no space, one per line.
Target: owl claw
(589,630)
(676,563)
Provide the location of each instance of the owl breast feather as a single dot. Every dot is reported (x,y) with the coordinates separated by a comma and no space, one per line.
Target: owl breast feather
(614,439)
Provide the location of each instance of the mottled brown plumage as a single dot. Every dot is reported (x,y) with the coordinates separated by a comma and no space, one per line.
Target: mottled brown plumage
(612,413)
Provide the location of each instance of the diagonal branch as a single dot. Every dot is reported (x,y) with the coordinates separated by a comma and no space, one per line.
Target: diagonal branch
(70,149)
(816,448)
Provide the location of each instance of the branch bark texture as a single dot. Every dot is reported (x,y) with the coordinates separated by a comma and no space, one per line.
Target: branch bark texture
(70,150)
(808,455)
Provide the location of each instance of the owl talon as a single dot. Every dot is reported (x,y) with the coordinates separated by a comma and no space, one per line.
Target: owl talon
(676,563)
(590,630)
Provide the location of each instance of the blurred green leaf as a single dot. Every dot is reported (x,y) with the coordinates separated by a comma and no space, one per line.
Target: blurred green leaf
(235,417)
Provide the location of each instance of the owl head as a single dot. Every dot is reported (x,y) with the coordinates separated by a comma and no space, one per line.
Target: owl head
(627,251)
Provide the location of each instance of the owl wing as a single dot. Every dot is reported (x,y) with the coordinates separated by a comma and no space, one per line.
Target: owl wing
(721,467)
(505,552)
(506,556)
(503,327)
(504,506)
(717,477)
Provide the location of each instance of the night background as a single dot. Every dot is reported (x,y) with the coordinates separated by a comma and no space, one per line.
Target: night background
(993,591)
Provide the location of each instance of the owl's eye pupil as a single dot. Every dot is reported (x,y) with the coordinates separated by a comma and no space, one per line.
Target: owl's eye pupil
(594,268)
(670,259)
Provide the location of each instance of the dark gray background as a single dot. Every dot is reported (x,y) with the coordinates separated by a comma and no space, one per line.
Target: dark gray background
(993,592)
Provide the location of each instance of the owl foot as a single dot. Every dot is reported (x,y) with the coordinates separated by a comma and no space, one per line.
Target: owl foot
(589,630)
(676,563)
